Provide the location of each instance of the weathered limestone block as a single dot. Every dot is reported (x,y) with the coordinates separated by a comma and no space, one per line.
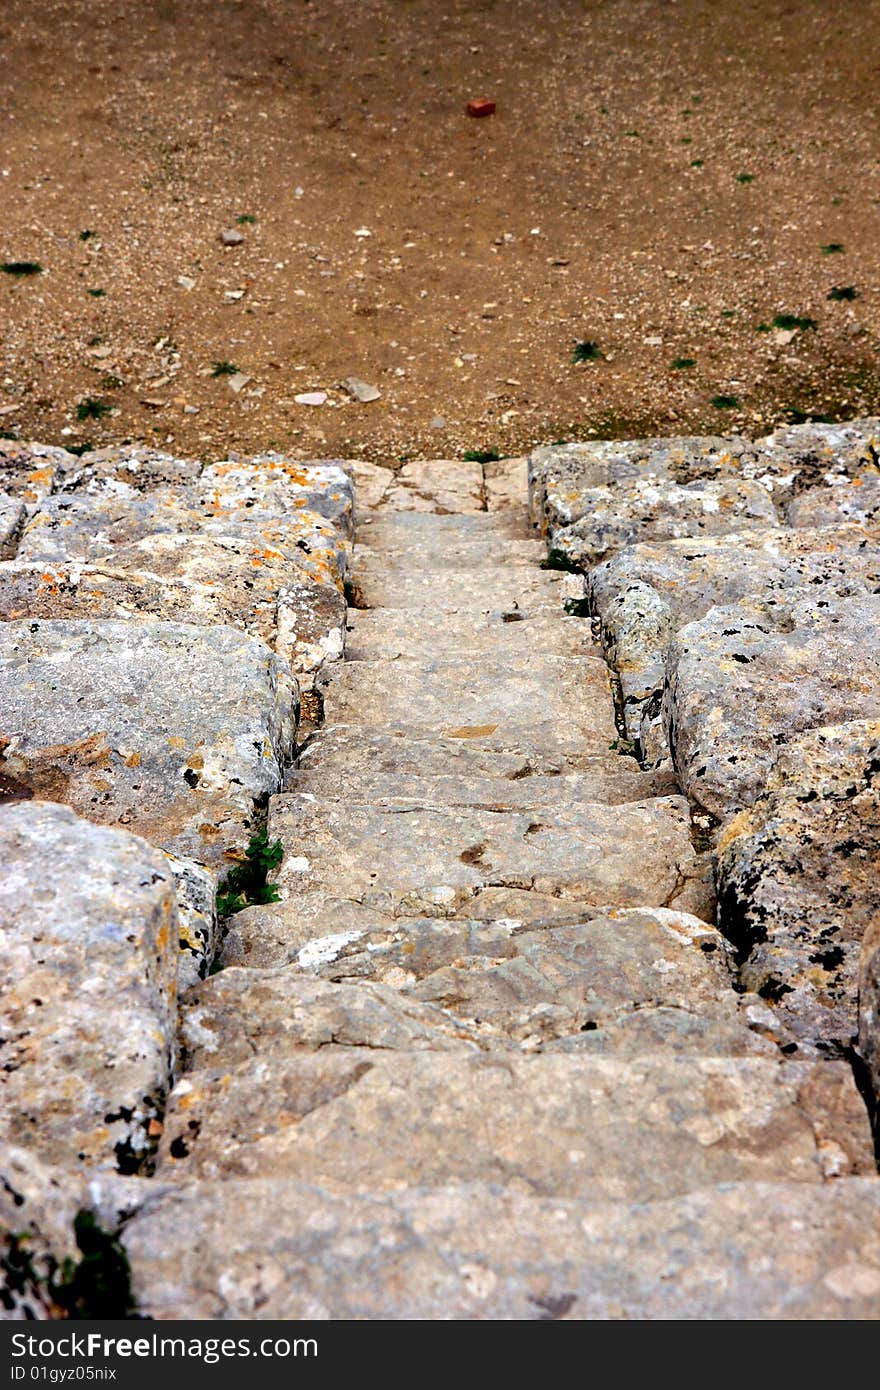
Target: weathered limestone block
(539,628)
(29,470)
(572,982)
(283,486)
(658,509)
(847,499)
(135,465)
(197,926)
(554,704)
(12,516)
(749,677)
(798,881)
(239,1014)
(88,525)
(168,729)
(550,1124)
(431,862)
(371,482)
(650,590)
(369,764)
(38,1206)
(764,1251)
(506,483)
(798,457)
(88,935)
(561,476)
(190,578)
(435,485)
(493,587)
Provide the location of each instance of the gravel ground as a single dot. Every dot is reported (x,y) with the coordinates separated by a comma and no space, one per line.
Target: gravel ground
(661,178)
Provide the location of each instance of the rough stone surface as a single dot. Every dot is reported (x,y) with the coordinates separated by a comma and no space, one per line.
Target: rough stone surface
(89,942)
(846,499)
(169,729)
(283,486)
(647,592)
(756,1250)
(748,677)
(550,1124)
(437,485)
(368,764)
(493,587)
(12,515)
(38,1206)
(408,860)
(238,1014)
(798,881)
(29,470)
(196,579)
(556,702)
(540,628)
(657,509)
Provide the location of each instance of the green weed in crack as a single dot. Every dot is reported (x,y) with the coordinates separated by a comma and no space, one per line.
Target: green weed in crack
(587,351)
(246,883)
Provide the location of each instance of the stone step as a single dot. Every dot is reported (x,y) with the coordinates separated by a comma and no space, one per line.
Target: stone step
(491,587)
(517,634)
(408,860)
(595,1128)
(489,528)
(429,773)
(586,984)
(436,550)
(435,485)
(741,1251)
(556,703)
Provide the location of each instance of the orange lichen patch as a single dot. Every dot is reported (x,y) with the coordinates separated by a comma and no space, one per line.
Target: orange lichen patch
(133,760)
(196,762)
(40,475)
(155,1129)
(174,741)
(209,831)
(471,731)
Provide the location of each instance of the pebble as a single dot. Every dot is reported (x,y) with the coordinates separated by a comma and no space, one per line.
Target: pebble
(231,236)
(311,398)
(361,390)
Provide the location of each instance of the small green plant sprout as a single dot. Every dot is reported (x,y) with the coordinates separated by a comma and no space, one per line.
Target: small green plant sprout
(843,293)
(97,294)
(697,163)
(745,178)
(109,382)
(482,456)
(683,364)
(789,321)
(223,369)
(92,409)
(624,746)
(21,268)
(86,234)
(796,416)
(725,402)
(833,248)
(245,217)
(587,351)
(98,1285)
(561,560)
(576,607)
(727,314)
(246,882)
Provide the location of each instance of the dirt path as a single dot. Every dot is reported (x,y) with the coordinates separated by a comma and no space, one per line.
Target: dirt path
(659,179)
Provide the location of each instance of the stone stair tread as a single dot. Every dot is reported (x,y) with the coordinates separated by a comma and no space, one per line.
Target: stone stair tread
(358,750)
(431,862)
(751,1250)
(552,1124)
(519,633)
(479,591)
(557,701)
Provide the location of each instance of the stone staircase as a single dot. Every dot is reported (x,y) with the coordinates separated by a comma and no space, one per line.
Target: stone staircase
(485,1057)
(488,1055)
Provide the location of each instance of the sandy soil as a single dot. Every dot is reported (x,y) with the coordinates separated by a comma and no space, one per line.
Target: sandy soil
(659,179)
